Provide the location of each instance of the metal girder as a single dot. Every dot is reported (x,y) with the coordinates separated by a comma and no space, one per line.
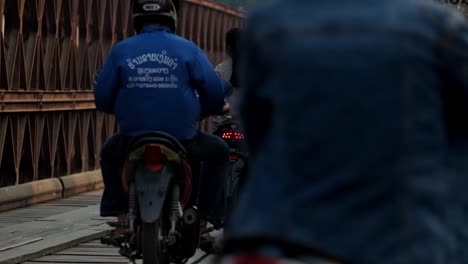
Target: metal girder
(44,101)
(218,7)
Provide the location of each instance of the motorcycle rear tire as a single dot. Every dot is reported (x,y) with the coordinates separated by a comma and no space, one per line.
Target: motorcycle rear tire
(152,248)
(231,192)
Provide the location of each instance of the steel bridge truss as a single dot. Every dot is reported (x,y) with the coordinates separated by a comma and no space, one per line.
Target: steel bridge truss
(49,50)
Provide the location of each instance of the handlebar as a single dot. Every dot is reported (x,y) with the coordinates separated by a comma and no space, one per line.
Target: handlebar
(229,122)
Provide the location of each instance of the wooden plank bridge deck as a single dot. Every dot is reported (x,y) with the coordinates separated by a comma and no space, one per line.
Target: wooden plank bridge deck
(61,231)
(95,252)
(40,212)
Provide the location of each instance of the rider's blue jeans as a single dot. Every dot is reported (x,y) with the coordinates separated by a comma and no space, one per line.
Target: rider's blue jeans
(206,148)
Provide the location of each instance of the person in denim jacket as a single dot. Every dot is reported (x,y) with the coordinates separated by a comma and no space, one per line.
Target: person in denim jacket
(355,114)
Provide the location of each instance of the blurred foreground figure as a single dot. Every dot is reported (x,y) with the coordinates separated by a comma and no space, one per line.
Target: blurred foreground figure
(351,111)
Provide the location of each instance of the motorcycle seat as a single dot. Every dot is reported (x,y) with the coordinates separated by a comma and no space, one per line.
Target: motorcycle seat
(157,137)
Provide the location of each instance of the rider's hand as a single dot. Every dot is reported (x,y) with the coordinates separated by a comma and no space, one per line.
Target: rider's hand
(226,108)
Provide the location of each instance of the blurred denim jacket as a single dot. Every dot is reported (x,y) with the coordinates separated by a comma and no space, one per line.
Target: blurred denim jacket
(356,115)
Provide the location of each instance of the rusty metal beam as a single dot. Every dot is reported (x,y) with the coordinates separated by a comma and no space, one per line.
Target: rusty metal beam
(45,101)
(216,6)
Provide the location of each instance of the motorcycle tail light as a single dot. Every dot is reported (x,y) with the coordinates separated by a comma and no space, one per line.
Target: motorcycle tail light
(233,135)
(152,158)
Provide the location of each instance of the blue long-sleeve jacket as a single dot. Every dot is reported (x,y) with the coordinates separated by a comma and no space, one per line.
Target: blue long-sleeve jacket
(355,111)
(151,81)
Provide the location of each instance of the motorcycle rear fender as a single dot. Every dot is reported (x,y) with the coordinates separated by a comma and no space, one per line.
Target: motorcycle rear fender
(152,188)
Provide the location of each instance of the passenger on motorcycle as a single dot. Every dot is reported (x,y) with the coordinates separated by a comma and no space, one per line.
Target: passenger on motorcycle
(158,81)
(227,70)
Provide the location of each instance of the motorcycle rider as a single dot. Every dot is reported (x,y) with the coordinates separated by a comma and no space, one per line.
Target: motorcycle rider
(352,111)
(158,81)
(227,70)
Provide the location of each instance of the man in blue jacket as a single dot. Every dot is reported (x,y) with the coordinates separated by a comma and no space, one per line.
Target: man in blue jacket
(353,110)
(158,81)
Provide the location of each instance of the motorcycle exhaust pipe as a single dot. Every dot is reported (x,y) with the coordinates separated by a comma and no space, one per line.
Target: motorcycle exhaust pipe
(190,231)
(190,217)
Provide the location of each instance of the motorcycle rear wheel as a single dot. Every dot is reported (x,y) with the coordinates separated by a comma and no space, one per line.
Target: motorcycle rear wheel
(232,187)
(151,245)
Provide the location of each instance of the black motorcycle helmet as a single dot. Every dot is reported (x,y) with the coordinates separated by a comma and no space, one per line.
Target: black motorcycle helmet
(155,12)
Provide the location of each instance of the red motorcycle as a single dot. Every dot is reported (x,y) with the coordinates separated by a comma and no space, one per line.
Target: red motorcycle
(162,227)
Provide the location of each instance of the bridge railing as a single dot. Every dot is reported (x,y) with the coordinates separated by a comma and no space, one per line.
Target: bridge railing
(49,50)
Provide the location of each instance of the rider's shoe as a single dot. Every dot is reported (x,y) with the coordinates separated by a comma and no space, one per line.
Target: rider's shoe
(217,224)
(120,223)
(211,245)
(116,235)
(204,229)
